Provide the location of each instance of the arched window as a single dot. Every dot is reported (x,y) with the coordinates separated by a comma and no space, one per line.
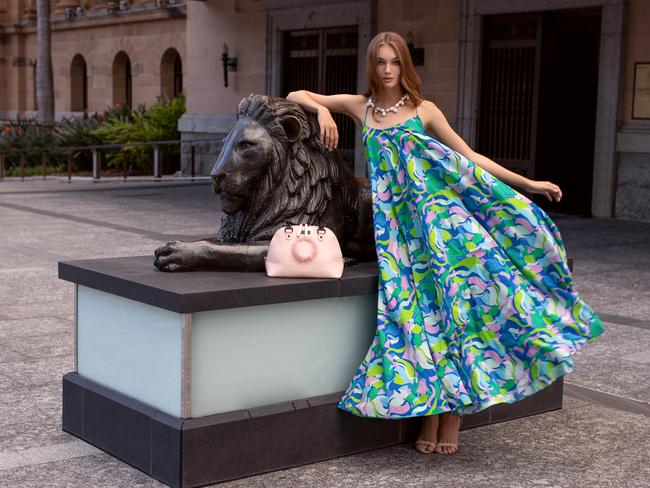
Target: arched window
(122,80)
(78,84)
(171,74)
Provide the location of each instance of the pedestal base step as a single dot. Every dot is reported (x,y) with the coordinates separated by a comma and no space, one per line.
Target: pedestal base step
(197,452)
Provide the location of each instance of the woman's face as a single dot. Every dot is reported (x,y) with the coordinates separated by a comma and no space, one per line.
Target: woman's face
(388,66)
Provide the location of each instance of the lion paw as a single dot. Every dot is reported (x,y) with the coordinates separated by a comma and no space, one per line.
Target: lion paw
(172,256)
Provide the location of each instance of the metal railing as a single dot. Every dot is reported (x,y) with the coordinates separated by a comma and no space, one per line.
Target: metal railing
(97,152)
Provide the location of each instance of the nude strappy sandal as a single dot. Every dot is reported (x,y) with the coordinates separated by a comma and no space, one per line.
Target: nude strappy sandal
(451,444)
(420,442)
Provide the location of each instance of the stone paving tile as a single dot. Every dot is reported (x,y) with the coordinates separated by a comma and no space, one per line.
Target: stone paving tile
(624,308)
(644,391)
(26,435)
(8,355)
(626,301)
(18,285)
(578,232)
(26,310)
(36,372)
(12,259)
(42,345)
(73,448)
(6,383)
(536,451)
(619,257)
(608,365)
(35,326)
(634,277)
(568,402)
(38,404)
(196,205)
(101,471)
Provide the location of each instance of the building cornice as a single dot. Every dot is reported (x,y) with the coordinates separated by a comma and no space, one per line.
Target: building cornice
(99,19)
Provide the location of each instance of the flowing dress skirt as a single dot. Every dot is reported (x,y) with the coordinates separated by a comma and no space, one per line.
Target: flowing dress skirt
(476,303)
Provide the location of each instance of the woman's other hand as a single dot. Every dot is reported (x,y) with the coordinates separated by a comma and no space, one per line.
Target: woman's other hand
(329,134)
(550,190)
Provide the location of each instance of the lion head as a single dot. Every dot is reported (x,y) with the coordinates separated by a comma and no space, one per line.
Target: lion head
(273,169)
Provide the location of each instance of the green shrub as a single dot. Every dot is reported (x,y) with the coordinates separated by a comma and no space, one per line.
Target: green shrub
(36,170)
(117,125)
(26,136)
(78,132)
(158,123)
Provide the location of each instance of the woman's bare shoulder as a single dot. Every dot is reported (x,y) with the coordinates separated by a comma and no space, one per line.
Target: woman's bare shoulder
(428,106)
(358,105)
(430,114)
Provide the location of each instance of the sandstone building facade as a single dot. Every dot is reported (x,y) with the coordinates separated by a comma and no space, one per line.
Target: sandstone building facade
(554,89)
(101,57)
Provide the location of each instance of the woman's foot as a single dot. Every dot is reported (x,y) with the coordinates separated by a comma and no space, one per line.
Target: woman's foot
(448,433)
(426,442)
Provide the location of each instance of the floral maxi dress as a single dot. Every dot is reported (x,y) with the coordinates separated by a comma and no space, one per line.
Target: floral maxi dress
(476,303)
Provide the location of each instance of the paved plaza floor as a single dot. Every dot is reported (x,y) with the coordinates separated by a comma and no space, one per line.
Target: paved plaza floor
(600,438)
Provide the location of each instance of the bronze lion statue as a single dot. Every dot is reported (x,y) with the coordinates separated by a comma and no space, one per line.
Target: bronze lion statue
(273,170)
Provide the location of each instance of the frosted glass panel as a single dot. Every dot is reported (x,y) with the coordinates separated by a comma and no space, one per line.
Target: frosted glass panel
(131,347)
(254,356)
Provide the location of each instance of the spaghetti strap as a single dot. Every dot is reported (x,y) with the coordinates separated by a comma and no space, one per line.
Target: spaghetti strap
(416,110)
(366,116)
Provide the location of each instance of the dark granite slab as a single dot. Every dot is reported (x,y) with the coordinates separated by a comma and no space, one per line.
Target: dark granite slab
(136,278)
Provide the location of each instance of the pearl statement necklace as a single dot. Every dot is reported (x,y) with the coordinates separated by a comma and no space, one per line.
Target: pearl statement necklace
(383,110)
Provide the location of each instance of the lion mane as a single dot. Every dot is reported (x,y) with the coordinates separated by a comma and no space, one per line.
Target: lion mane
(303,182)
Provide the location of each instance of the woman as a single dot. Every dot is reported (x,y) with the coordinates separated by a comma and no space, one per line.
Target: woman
(476,304)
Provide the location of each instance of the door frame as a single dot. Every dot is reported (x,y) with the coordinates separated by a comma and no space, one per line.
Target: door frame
(609,99)
(310,14)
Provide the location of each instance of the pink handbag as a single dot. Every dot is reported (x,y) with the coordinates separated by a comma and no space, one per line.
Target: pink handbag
(304,251)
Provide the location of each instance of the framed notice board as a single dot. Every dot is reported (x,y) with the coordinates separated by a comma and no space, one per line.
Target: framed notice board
(641,91)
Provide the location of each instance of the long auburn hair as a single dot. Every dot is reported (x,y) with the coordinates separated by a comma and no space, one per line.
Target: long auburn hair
(409,78)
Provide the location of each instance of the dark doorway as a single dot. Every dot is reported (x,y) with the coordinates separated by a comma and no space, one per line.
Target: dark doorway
(537,111)
(567,107)
(323,61)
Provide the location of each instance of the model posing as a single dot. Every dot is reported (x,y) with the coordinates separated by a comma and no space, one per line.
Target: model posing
(476,303)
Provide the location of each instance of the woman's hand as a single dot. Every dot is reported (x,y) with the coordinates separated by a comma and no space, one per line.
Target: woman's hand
(550,190)
(329,134)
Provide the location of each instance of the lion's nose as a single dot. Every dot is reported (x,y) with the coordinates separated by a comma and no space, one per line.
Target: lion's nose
(218,177)
(217,180)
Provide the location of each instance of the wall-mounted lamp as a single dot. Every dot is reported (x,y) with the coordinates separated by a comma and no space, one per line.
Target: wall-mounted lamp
(229,64)
(417,53)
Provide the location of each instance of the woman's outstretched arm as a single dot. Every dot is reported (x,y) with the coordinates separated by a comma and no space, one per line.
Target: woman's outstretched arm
(323,105)
(435,120)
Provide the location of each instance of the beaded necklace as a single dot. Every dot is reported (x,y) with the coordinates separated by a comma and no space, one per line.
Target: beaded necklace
(383,110)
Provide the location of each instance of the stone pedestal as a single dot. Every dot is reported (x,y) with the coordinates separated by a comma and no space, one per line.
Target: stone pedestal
(196,378)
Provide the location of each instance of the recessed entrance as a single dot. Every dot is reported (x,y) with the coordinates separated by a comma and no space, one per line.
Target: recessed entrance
(537,111)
